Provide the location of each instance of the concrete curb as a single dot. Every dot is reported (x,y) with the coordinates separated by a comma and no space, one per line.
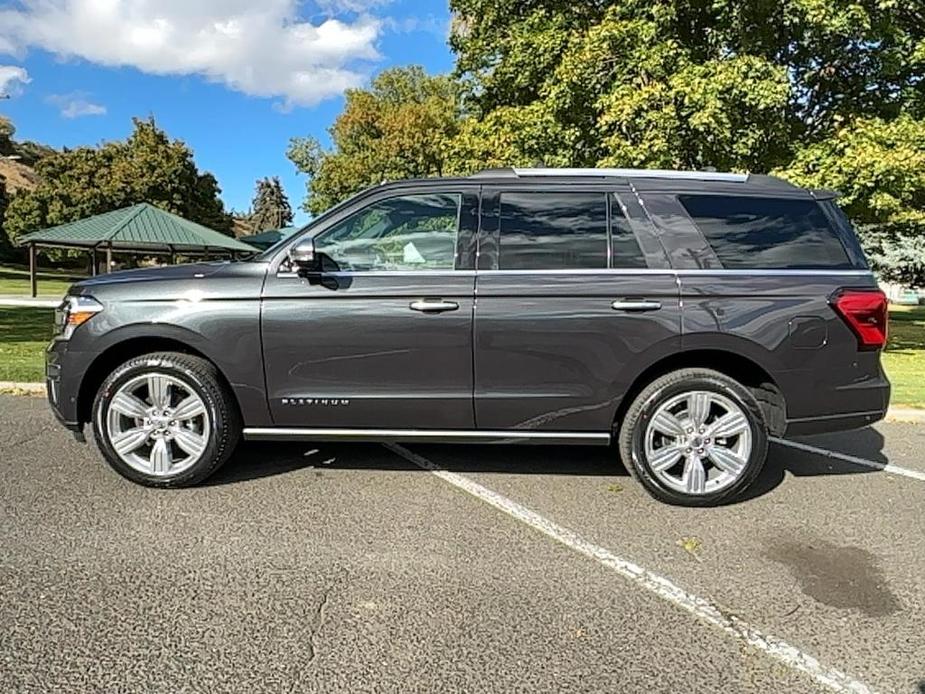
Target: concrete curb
(905,414)
(894,414)
(28,302)
(13,388)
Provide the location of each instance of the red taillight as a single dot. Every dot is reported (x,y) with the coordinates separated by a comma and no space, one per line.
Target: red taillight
(865,312)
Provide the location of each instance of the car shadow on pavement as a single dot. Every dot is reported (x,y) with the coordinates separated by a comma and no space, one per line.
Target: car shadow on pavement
(258,460)
(864,443)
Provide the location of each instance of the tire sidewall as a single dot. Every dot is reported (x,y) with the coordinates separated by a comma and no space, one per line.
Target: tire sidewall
(735,392)
(167,366)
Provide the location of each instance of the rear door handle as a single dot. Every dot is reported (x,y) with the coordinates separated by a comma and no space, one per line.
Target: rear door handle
(433,305)
(636,305)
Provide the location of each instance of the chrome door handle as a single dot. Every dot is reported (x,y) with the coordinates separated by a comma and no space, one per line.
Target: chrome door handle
(636,305)
(433,305)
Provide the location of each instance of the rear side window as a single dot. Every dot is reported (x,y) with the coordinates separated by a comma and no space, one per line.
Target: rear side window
(553,231)
(767,233)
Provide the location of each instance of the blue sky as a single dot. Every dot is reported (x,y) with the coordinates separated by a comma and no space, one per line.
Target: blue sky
(233,78)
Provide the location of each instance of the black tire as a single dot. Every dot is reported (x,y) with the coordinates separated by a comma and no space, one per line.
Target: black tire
(198,376)
(631,440)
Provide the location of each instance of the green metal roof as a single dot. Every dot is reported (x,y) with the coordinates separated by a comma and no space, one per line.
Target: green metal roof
(139,227)
(268,238)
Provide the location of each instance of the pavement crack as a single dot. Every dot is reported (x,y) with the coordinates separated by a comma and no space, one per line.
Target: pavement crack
(317,623)
(318,619)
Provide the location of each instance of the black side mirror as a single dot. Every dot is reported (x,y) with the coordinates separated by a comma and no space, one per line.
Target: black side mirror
(303,257)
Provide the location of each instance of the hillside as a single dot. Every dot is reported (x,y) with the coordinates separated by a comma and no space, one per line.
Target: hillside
(17,175)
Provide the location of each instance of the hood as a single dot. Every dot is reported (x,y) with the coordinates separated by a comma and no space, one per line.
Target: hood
(163,272)
(219,280)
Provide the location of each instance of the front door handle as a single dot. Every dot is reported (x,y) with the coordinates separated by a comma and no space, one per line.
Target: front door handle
(636,305)
(433,305)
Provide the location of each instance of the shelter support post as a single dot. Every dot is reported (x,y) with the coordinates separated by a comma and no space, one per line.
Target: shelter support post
(109,258)
(33,271)
(93,262)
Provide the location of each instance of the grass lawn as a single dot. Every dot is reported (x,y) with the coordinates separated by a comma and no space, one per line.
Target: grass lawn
(24,332)
(14,279)
(904,359)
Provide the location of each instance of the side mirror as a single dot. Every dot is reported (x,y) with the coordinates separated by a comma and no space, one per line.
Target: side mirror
(303,257)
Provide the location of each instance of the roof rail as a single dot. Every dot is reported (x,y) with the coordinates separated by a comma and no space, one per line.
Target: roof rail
(619,173)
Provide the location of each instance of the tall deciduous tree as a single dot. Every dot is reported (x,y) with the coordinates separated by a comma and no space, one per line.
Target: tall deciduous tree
(270,208)
(398,128)
(828,93)
(4,203)
(146,167)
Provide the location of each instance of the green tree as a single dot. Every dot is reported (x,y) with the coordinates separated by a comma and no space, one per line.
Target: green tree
(879,167)
(826,92)
(146,167)
(5,248)
(270,208)
(400,127)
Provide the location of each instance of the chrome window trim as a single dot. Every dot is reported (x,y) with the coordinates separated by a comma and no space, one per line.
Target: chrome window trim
(601,271)
(687,271)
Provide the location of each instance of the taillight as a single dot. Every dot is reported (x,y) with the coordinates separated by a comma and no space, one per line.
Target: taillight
(865,312)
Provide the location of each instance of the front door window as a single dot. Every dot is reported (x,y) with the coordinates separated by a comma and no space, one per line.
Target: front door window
(407,233)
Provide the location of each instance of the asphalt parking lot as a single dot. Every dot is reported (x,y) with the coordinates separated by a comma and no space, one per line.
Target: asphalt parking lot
(328,568)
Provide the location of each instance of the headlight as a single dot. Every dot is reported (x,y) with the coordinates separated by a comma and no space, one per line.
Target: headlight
(73,312)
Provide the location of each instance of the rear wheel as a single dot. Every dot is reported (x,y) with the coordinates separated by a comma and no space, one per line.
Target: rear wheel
(694,437)
(165,420)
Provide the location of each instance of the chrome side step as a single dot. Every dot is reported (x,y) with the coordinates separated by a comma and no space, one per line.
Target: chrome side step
(429,435)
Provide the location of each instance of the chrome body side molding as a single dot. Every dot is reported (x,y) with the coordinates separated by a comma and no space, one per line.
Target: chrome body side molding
(429,435)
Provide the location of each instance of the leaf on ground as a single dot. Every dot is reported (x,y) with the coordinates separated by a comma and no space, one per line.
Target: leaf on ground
(692,546)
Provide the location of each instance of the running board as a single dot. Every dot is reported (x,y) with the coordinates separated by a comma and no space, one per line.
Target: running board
(428,435)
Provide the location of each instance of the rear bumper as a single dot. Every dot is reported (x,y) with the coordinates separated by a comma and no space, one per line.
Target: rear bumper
(829,423)
(824,408)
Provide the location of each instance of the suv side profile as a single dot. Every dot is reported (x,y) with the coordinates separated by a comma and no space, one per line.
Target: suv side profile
(686,317)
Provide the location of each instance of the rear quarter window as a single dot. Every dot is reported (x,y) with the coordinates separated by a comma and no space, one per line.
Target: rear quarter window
(767,233)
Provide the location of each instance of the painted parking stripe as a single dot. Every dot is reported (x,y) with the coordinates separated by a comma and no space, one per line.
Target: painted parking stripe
(885,467)
(659,585)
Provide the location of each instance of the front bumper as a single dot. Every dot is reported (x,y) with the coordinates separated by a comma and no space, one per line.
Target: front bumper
(63,385)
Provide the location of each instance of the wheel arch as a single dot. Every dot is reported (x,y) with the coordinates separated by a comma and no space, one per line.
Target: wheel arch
(742,368)
(129,348)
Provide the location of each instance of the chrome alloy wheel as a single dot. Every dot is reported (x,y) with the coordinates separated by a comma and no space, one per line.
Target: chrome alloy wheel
(698,442)
(157,424)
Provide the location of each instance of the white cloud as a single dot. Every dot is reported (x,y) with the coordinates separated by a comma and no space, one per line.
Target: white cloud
(11,77)
(334,6)
(259,48)
(76,104)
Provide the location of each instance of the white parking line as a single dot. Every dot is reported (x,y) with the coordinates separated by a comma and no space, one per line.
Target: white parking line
(652,582)
(885,467)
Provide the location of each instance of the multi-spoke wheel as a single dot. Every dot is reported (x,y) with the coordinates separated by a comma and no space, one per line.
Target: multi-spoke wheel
(165,420)
(694,437)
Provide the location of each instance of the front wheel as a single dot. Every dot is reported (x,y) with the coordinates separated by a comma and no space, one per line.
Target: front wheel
(165,420)
(694,437)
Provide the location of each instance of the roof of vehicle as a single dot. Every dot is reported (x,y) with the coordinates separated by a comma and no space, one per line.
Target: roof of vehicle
(646,179)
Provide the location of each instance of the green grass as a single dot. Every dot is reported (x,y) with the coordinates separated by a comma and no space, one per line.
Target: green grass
(24,333)
(904,359)
(14,279)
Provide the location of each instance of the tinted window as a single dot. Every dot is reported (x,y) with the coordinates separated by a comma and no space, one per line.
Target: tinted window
(553,231)
(766,233)
(624,248)
(412,232)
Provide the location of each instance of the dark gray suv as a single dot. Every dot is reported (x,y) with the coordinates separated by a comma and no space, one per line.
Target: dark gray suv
(684,316)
